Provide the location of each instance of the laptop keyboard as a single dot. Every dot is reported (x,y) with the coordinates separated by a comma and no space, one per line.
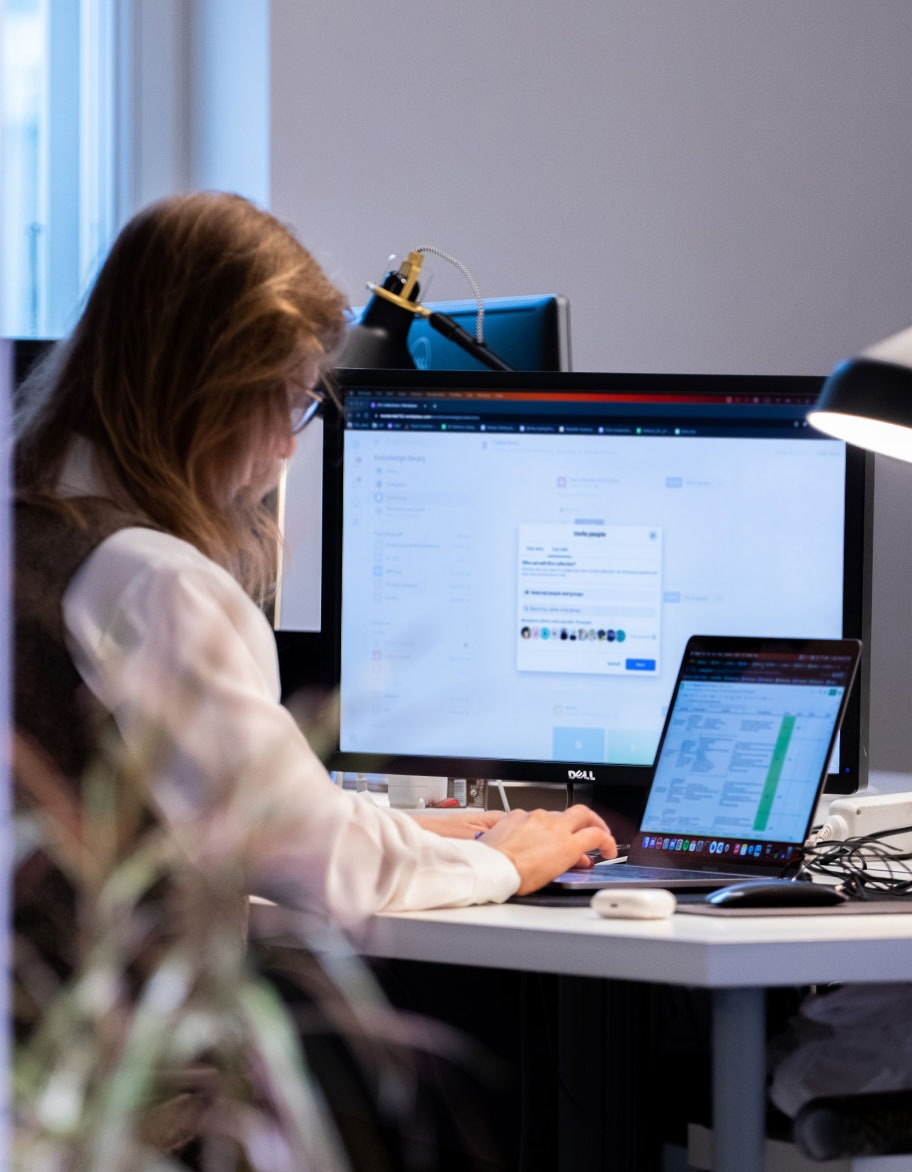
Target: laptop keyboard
(632,871)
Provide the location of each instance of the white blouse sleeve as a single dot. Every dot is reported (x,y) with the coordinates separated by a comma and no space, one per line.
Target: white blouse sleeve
(172,647)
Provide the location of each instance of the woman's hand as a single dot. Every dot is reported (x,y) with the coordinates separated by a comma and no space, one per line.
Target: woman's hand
(467,823)
(541,843)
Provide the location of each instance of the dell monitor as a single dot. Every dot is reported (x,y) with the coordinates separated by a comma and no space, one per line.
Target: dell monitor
(513,564)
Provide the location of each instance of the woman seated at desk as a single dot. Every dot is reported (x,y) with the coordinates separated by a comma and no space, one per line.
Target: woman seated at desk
(145,446)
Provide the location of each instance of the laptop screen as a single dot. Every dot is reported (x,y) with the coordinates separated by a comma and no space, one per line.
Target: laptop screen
(744,751)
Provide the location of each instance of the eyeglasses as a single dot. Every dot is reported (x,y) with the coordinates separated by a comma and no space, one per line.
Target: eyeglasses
(303,413)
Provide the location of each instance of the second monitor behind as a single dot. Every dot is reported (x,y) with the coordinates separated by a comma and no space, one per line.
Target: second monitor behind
(528,333)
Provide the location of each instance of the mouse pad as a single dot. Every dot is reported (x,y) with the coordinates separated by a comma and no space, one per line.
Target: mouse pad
(849,908)
(554,899)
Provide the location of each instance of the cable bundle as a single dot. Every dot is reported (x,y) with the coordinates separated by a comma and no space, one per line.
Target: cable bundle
(868,866)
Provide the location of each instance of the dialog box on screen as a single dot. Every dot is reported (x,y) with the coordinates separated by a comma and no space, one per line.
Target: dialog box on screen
(589,598)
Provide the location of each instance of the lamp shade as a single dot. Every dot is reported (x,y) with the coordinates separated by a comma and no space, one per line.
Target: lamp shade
(867,401)
(380,339)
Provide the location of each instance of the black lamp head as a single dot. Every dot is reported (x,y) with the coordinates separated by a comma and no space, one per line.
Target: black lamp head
(867,401)
(380,338)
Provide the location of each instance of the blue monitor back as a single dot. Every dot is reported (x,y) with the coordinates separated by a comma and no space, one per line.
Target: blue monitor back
(528,333)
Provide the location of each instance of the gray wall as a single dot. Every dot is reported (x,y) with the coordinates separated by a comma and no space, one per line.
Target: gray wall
(717,185)
(193,99)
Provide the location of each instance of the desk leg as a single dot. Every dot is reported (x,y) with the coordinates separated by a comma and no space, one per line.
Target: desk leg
(739,1079)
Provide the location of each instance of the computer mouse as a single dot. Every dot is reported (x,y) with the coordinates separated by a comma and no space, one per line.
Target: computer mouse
(775,893)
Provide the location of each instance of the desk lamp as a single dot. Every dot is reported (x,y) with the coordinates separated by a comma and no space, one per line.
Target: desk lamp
(867,401)
(380,338)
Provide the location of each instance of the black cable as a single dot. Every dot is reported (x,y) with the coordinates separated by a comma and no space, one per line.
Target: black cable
(850,860)
(450,328)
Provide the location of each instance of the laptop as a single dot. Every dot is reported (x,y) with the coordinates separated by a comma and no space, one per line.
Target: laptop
(740,765)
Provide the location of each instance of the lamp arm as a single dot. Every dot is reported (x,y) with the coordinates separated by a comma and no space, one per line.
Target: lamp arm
(453,330)
(444,324)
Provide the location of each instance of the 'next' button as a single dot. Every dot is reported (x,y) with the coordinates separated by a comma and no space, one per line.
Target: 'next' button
(640,664)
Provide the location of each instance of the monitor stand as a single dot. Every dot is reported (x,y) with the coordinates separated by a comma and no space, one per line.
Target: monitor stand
(533,795)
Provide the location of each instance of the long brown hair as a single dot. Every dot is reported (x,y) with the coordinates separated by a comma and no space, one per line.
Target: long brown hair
(205,313)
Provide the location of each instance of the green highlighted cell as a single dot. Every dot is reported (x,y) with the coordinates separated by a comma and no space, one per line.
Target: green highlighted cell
(774,772)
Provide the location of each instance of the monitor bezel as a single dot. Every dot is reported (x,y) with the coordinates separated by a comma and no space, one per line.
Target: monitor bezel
(853,751)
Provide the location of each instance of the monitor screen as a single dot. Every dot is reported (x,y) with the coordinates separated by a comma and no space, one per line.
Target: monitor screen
(26,353)
(529,332)
(513,564)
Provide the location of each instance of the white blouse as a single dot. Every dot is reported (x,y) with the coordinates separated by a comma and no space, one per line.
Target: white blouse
(171,645)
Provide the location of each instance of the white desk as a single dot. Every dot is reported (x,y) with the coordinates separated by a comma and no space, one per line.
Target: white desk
(737,959)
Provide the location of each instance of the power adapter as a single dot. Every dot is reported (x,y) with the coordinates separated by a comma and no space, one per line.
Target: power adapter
(856,817)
